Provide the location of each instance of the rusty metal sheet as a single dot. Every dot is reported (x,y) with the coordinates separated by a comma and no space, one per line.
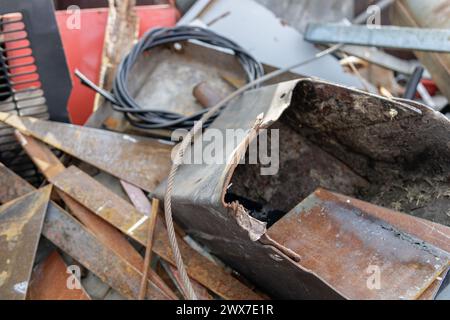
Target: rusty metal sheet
(11,185)
(376,146)
(126,218)
(141,161)
(50,166)
(339,242)
(49,281)
(433,233)
(82,245)
(20,230)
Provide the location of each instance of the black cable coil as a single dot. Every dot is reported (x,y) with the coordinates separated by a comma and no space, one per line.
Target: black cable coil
(153,119)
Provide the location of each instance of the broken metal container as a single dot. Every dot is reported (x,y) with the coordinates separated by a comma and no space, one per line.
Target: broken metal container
(387,152)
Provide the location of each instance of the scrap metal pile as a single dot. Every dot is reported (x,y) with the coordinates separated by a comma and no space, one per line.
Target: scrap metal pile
(351,202)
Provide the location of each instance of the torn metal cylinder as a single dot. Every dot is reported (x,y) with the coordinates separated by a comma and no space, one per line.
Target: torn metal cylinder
(390,153)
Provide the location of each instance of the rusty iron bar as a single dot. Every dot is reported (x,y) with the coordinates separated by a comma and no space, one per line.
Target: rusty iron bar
(21,223)
(50,166)
(141,161)
(139,200)
(201,292)
(203,270)
(81,244)
(149,247)
(126,218)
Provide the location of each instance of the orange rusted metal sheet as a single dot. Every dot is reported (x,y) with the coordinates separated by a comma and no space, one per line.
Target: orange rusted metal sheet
(141,161)
(20,230)
(433,233)
(49,281)
(50,166)
(11,185)
(126,218)
(348,247)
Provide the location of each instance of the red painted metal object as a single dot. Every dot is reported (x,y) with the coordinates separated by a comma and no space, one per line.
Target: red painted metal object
(84,46)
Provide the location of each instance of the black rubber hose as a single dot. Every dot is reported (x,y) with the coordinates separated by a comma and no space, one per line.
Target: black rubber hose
(157,118)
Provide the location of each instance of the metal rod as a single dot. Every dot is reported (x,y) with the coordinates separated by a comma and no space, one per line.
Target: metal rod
(148,250)
(414,80)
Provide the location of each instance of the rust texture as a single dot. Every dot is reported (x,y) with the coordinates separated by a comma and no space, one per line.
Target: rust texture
(126,218)
(11,185)
(81,244)
(205,95)
(140,161)
(339,242)
(20,230)
(50,166)
(49,281)
(122,30)
(433,233)
(201,292)
(376,149)
(401,150)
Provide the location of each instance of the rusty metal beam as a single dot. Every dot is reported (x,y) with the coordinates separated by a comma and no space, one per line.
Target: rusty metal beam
(70,228)
(81,244)
(126,218)
(50,166)
(141,161)
(201,292)
(339,242)
(137,197)
(20,230)
(49,281)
